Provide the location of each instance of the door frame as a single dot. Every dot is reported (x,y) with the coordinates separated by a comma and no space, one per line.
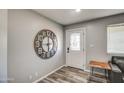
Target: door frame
(84,43)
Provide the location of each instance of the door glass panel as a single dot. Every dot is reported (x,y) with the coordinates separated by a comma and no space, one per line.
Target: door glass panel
(75,41)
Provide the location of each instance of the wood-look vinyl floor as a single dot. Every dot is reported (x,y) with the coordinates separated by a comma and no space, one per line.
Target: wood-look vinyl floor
(73,75)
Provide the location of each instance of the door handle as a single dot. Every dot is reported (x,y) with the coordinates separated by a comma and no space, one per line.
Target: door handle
(68,50)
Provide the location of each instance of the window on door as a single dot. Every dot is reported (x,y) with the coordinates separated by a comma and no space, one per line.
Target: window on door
(75,41)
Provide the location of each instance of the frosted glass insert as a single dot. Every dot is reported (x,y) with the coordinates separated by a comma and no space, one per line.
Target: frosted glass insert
(116,39)
(75,41)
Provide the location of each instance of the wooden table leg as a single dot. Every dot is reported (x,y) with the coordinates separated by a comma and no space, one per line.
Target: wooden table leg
(106,74)
(92,70)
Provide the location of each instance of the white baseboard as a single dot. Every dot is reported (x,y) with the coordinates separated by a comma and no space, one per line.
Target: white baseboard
(36,81)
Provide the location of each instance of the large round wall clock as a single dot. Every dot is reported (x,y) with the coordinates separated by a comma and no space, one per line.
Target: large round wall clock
(45,44)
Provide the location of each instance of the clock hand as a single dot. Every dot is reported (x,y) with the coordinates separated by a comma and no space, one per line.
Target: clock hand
(48,43)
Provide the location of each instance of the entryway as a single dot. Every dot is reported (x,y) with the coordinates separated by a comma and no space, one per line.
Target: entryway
(75,48)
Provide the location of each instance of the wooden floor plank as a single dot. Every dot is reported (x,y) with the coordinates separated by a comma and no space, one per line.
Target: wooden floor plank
(72,75)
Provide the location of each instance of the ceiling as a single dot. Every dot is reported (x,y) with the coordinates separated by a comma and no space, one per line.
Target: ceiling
(70,16)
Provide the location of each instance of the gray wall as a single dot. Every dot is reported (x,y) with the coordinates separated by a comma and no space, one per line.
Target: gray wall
(23,64)
(3,45)
(97,36)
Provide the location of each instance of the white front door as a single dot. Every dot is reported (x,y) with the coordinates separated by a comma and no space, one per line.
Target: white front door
(75,48)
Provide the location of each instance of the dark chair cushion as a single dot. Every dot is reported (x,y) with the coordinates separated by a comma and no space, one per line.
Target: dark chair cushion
(121,65)
(119,61)
(115,68)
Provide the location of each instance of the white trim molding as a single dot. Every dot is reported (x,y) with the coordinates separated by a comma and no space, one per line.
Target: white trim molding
(36,81)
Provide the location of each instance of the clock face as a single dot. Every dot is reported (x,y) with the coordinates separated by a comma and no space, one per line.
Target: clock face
(45,44)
